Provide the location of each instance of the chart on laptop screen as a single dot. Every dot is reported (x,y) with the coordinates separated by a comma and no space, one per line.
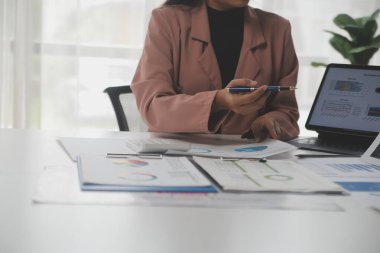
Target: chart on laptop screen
(349,99)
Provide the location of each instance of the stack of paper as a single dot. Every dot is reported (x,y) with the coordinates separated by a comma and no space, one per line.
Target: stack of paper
(169,174)
(131,172)
(198,147)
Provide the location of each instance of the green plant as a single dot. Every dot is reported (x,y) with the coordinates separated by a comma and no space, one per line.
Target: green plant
(362,44)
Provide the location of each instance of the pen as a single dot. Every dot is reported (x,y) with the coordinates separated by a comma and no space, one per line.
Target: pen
(250,89)
(148,156)
(324,156)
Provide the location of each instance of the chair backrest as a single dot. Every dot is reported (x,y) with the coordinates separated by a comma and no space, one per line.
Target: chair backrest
(124,105)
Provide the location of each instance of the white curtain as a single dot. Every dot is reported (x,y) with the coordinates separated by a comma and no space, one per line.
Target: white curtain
(17,84)
(57,56)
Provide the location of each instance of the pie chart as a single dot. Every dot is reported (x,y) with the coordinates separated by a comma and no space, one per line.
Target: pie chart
(251,149)
(130,162)
(138,177)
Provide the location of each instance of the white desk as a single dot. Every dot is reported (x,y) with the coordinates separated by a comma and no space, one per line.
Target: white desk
(32,228)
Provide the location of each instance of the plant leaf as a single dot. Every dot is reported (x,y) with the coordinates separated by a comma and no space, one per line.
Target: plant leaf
(364,56)
(364,48)
(363,20)
(318,64)
(343,20)
(362,35)
(376,39)
(370,28)
(340,36)
(375,14)
(342,46)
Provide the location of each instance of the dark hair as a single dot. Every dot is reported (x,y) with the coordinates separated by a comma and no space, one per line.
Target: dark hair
(184,2)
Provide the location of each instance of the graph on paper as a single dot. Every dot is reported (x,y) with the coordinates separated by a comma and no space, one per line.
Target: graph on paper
(349,173)
(273,175)
(355,170)
(338,169)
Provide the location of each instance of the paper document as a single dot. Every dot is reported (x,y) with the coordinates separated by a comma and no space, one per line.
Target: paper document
(351,173)
(199,146)
(59,185)
(101,146)
(271,176)
(157,145)
(360,178)
(266,148)
(98,172)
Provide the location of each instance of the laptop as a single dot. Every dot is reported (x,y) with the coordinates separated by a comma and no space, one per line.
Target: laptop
(345,111)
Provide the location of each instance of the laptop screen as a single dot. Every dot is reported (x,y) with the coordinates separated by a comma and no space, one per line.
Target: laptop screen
(348,101)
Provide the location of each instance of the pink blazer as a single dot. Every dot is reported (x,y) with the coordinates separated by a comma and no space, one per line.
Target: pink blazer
(178,75)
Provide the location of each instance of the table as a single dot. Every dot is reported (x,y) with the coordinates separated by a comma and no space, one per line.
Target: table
(32,228)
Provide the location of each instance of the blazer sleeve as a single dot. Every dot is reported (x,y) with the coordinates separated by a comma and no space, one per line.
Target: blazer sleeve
(283,108)
(158,98)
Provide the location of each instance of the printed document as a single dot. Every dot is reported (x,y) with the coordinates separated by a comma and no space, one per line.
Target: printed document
(199,146)
(270,176)
(361,179)
(266,148)
(59,185)
(98,172)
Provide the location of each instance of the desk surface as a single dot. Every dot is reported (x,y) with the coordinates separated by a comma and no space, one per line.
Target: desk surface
(39,228)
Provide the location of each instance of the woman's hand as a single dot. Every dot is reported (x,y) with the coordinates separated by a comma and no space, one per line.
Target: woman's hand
(262,127)
(243,103)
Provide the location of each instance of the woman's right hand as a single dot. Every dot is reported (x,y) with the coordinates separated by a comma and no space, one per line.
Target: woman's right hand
(242,103)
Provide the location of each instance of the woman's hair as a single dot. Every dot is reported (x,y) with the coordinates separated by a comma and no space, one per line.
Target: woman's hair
(184,2)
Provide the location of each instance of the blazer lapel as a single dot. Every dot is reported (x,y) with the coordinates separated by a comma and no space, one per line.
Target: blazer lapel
(249,66)
(200,32)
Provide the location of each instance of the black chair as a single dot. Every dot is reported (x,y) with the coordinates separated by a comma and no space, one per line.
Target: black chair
(114,95)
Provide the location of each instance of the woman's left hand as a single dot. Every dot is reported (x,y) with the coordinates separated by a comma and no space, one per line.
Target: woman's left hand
(262,127)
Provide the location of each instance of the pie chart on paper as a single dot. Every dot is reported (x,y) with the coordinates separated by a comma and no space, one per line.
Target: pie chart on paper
(251,149)
(138,177)
(130,162)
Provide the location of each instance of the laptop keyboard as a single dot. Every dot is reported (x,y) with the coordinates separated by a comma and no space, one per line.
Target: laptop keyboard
(330,146)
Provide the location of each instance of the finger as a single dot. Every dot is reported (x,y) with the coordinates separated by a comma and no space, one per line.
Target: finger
(242,82)
(257,133)
(260,132)
(271,127)
(248,134)
(259,101)
(278,131)
(262,136)
(259,91)
(253,105)
(252,97)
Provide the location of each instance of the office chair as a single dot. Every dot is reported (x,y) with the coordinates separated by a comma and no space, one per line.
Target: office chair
(125,107)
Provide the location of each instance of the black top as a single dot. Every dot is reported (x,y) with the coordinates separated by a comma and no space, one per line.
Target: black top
(227,37)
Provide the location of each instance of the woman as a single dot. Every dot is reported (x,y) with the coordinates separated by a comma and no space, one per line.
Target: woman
(194,49)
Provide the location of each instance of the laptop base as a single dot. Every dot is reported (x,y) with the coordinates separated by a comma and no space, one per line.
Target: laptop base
(333,143)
